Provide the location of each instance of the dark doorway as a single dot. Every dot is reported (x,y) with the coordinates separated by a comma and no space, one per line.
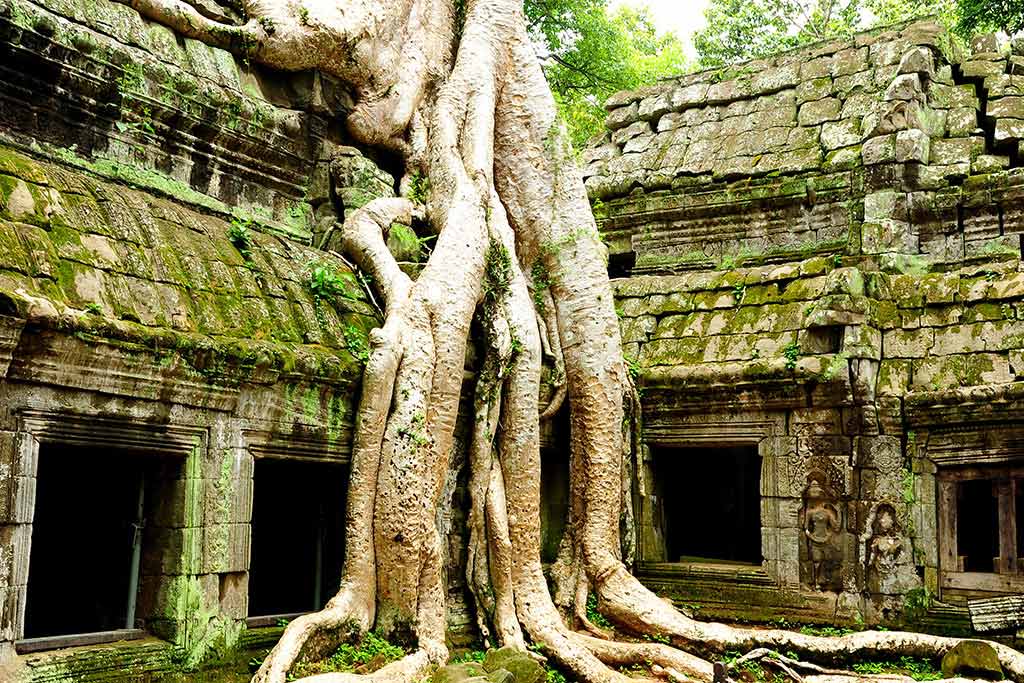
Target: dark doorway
(712,503)
(86,538)
(554,500)
(977,524)
(298,535)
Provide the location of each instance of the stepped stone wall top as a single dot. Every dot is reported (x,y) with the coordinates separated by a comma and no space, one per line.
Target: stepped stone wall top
(862,146)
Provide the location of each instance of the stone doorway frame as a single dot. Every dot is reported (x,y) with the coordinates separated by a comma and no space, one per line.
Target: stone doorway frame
(19,460)
(760,430)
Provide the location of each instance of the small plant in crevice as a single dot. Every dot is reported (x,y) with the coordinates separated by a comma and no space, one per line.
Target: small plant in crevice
(355,342)
(93,308)
(240,236)
(419,188)
(739,290)
(540,280)
(324,281)
(267,24)
(791,353)
(595,617)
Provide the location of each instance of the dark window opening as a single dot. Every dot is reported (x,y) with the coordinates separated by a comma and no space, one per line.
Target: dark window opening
(298,535)
(711,503)
(621,265)
(88,537)
(977,525)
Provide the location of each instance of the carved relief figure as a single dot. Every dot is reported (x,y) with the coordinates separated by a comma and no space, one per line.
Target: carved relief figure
(821,525)
(886,561)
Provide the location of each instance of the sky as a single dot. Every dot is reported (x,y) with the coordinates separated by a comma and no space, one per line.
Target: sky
(682,16)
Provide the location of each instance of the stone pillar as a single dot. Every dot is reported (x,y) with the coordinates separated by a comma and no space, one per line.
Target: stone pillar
(18,459)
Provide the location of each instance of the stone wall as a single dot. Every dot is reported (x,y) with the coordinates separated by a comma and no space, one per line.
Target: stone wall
(819,255)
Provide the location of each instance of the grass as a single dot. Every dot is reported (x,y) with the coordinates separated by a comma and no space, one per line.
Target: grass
(918,669)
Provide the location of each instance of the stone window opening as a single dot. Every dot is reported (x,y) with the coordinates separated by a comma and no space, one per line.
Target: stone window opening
(981,528)
(710,504)
(298,537)
(98,512)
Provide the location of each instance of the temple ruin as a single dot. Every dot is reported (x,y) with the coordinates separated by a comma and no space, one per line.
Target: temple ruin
(817,261)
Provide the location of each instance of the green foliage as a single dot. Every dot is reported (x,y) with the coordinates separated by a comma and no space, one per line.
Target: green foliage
(824,630)
(595,617)
(539,281)
(371,653)
(739,290)
(93,308)
(356,343)
(977,16)
(738,30)
(497,276)
(791,353)
(325,282)
(589,53)
(469,656)
(419,188)
(240,237)
(553,675)
(918,669)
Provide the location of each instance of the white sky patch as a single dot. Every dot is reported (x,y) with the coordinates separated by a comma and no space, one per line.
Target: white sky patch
(685,17)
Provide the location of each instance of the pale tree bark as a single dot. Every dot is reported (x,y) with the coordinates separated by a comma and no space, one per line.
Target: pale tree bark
(467,106)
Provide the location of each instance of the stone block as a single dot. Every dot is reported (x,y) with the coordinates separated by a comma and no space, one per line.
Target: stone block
(776,78)
(815,68)
(234,594)
(1009,131)
(687,96)
(955,151)
(226,548)
(912,146)
(905,87)
(962,121)
(12,612)
(15,547)
(982,68)
(17,500)
(862,81)
(622,116)
(953,96)
(990,163)
(918,60)
(1006,107)
(885,205)
(653,107)
(837,134)
(525,668)
(879,150)
(819,111)
(886,236)
(849,61)
(994,43)
(622,135)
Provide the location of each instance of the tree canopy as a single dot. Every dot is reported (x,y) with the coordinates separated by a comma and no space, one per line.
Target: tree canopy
(745,29)
(590,52)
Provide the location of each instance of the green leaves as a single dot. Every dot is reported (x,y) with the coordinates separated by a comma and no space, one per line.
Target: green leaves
(589,54)
(738,30)
(976,16)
